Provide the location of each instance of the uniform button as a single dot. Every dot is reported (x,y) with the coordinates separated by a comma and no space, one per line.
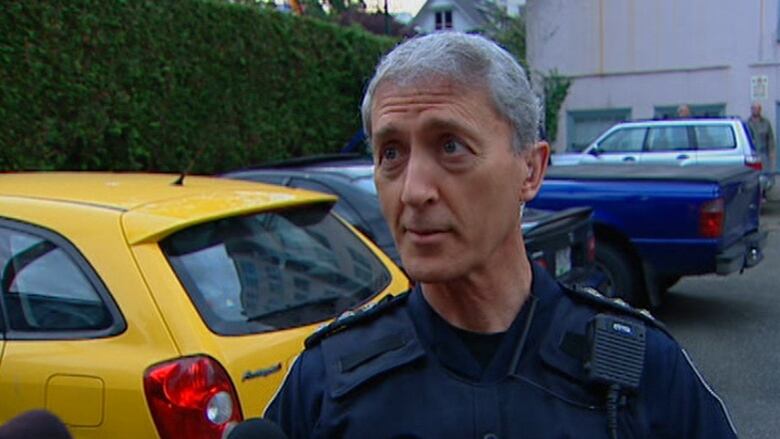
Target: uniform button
(490,436)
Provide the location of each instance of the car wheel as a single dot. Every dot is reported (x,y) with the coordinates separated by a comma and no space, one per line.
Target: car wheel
(667,281)
(620,277)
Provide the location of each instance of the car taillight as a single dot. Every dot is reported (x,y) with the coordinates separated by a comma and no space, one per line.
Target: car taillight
(191,397)
(754,162)
(591,249)
(711,219)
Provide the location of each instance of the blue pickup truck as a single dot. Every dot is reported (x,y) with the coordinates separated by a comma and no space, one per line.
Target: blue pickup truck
(655,224)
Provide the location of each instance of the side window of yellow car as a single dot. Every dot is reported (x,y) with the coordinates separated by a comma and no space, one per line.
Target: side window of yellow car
(44,290)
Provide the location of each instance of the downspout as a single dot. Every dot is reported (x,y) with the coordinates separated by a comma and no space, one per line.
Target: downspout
(761,32)
(601,36)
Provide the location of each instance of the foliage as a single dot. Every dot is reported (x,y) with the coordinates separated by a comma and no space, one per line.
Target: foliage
(145,84)
(508,31)
(377,23)
(556,86)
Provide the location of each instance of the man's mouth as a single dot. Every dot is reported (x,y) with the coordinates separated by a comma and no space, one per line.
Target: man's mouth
(425,235)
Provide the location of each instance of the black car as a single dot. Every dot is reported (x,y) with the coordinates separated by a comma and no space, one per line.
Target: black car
(562,242)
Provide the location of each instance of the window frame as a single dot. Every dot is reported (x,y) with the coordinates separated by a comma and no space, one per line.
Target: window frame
(669,112)
(118,324)
(440,21)
(573,117)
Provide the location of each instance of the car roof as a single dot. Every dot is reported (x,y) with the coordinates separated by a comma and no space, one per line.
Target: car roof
(672,122)
(152,204)
(343,166)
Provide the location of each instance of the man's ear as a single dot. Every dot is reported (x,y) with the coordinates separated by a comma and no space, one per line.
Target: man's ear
(536,159)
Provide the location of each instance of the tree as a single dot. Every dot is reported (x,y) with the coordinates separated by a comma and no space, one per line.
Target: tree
(509,32)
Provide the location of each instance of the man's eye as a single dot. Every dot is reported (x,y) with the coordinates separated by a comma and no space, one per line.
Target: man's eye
(452,146)
(390,153)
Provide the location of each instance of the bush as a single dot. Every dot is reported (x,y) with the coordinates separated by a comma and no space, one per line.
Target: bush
(149,84)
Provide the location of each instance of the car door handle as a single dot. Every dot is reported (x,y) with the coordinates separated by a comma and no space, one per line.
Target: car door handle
(683,157)
(629,159)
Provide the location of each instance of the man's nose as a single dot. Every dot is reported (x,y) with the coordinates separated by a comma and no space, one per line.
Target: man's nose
(419,181)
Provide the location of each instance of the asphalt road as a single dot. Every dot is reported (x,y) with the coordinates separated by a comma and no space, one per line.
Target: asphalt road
(730,325)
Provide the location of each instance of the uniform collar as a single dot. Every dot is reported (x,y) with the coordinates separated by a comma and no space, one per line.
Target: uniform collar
(439,338)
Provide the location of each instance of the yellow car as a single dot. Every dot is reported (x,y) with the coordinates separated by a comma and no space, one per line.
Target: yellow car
(139,306)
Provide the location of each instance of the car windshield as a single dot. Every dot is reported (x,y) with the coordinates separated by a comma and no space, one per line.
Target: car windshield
(274,270)
(366,184)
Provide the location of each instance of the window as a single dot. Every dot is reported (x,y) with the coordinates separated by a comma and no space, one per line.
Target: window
(669,138)
(624,140)
(706,110)
(715,137)
(274,270)
(583,126)
(44,289)
(443,20)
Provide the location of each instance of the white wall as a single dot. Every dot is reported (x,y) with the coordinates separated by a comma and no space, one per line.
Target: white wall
(639,54)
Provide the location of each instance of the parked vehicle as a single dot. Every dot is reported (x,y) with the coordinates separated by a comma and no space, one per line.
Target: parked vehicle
(655,224)
(682,142)
(562,242)
(136,306)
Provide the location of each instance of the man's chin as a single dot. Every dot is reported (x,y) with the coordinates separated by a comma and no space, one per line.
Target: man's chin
(430,273)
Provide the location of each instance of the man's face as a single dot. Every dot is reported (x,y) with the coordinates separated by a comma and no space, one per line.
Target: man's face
(755,110)
(449,182)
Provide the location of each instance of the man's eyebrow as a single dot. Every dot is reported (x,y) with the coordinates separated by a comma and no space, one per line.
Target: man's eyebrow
(387,131)
(449,125)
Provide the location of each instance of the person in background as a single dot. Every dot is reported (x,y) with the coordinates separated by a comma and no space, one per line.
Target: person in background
(683,111)
(763,137)
(486,344)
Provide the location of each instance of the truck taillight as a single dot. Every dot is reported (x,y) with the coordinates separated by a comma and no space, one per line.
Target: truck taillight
(191,397)
(538,257)
(711,219)
(754,162)
(591,254)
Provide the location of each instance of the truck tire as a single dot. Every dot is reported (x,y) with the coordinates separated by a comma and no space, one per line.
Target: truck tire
(621,278)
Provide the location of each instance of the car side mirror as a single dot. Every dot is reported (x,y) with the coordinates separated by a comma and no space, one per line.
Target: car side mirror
(594,151)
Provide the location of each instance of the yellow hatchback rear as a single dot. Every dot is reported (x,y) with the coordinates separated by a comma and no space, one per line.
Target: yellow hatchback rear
(137,306)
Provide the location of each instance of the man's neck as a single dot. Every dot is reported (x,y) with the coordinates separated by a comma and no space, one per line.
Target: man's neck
(484,303)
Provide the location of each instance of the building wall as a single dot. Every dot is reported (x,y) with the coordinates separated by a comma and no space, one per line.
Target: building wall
(642,55)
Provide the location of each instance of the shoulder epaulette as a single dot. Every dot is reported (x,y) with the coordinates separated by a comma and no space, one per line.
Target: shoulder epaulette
(352,317)
(595,298)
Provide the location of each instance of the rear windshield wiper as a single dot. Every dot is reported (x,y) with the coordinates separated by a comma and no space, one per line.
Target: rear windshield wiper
(310,305)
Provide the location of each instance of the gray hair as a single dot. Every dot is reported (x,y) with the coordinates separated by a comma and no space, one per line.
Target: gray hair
(465,59)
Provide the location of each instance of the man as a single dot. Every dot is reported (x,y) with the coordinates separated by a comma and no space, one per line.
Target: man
(683,111)
(763,138)
(486,345)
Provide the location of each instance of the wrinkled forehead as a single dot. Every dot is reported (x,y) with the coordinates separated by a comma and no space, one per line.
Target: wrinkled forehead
(428,85)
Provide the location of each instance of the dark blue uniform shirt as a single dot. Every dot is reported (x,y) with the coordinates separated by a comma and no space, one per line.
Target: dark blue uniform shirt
(401,371)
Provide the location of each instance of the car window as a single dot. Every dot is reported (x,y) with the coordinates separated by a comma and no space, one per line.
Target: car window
(43,289)
(274,270)
(715,137)
(623,140)
(668,138)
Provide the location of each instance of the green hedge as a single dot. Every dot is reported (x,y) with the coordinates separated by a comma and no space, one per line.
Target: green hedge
(150,84)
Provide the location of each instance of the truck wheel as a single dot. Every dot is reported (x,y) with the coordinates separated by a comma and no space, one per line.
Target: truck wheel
(620,277)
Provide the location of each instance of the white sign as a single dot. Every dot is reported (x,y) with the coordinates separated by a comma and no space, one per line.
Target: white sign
(759,88)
